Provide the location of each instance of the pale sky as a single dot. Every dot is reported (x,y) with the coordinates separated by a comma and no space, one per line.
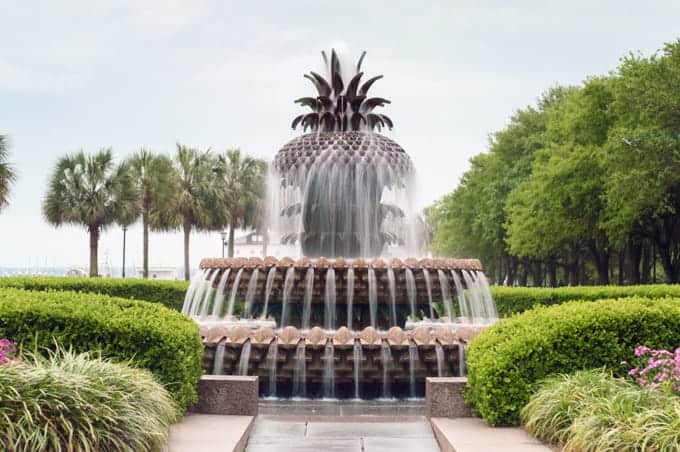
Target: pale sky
(133,73)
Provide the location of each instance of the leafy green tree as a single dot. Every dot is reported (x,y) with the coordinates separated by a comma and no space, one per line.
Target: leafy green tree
(198,195)
(242,182)
(158,185)
(92,191)
(7,174)
(559,209)
(644,155)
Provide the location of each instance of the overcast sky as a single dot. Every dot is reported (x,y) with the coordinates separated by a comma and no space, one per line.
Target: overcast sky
(125,74)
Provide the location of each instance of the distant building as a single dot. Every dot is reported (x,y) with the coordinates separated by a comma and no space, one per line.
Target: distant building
(252,245)
(166,273)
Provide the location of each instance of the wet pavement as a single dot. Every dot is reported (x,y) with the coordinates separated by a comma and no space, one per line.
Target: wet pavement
(390,408)
(341,433)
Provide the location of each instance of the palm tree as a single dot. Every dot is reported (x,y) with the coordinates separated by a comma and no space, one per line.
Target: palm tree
(90,190)
(242,184)
(197,196)
(7,174)
(157,184)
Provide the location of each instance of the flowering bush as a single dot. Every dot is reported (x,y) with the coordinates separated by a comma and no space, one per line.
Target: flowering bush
(657,368)
(8,350)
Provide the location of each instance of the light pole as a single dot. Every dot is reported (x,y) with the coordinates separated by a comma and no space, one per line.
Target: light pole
(223,234)
(124,231)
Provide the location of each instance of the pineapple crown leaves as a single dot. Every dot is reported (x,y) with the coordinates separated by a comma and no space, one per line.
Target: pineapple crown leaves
(340,106)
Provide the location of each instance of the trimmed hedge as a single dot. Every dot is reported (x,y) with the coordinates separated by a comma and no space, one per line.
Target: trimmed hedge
(147,334)
(506,360)
(167,293)
(513,300)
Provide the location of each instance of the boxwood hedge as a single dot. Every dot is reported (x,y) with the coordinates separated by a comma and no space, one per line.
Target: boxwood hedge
(506,361)
(147,334)
(167,293)
(513,300)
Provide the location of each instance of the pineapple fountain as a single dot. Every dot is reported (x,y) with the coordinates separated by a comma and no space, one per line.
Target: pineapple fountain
(350,316)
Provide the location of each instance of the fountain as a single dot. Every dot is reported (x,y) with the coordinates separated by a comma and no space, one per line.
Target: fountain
(354,315)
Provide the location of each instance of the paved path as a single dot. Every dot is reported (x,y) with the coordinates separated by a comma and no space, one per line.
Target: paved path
(336,434)
(473,435)
(210,433)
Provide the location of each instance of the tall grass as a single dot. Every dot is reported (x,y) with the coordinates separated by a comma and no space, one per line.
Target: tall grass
(76,402)
(593,411)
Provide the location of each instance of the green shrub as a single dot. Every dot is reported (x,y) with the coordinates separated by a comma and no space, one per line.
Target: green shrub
(506,360)
(152,336)
(592,411)
(167,293)
(513,300)
(69,402)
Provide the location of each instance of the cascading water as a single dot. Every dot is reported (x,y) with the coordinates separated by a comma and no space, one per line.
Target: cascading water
(219,297)
(195,282)
(412,362)
(307,300)
(462,370)
(208,294)
(475,301)
(446,293)
(428,286)
(329,300)
(392,287)
(244,359)
(386,357)
(272,363)
(300,372)
(372,297)
(411,291)
(439,353)
(462,301)
(287,290)
(357,356)
(350,297)
(234,291)
(329,372)
(490,313)
(268,290)
(218,362)
(198,294)
(250,292)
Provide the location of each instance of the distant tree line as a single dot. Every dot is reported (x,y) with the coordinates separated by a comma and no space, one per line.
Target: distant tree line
(194,191)
(582,188)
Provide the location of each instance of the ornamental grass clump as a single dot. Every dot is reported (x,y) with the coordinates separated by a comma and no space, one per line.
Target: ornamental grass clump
(594,411)
(68,402)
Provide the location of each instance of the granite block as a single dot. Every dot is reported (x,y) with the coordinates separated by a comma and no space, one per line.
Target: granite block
(227,394)
(444,397)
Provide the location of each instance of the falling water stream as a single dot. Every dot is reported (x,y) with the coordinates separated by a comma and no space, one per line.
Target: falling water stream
(446,294)
(357,355)
(329,300)
(386,356)
(307,301)
(244,359)
(411,291)
(329,372)
(428,286)
(350,297)
(234,291)
(287,290)
(391,283)
(219,297)
(300,372)
(268,290)
(412,361)
(250,292)
(272,362)
(372,296)
(439,352)
(218,363)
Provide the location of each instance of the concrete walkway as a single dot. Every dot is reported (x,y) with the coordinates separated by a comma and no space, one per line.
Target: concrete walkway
(347,433)
(210,433)
(473,435)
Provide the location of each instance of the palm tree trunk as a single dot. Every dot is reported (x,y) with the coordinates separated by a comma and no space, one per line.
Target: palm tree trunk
(145,246)
(232,231)
(94,245)
(187,233)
